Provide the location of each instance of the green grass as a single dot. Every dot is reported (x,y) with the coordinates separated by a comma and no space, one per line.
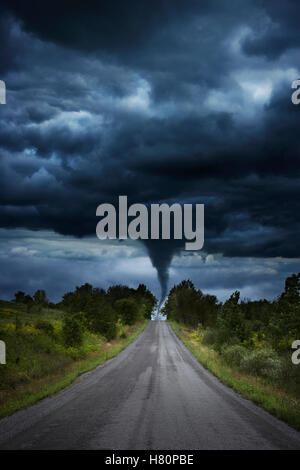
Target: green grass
(39,364)
(9,310)
(274,400)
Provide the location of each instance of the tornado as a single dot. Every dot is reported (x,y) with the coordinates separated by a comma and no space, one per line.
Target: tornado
(161,253)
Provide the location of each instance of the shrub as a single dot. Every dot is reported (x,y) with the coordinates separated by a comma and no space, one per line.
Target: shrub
(263,362)
(210,336)
(289,372)
(101,318)
(200,332)
(110,330)
(218,338)
(225,337)
(128,311)
(234,355)
(73,329)
(45,326)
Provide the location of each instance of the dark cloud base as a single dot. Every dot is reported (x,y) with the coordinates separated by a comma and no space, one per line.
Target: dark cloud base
(161,101)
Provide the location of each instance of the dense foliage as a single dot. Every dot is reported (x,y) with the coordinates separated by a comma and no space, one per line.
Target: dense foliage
(94,309)
(255,336)
(187,305)
(277,322)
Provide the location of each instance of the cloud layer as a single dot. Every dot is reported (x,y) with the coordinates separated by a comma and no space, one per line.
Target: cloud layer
(161,101)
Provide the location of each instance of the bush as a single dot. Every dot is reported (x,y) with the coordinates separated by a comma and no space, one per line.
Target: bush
(234,355)
(73,329)
(225,337)
(128,311)
(263,362)
(101,318)
(110,330)
(200,332)
(218,338)
(210,336)
(289,373)
(45,326)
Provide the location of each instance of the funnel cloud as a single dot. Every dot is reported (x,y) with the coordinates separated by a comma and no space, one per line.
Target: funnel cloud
(161,253)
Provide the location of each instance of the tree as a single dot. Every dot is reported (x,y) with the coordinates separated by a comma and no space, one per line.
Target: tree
(20,297)
(78,300)
(187,305)
(118,292)
(291,292)
(101,318)
(232,318)
(99,307)
(73,329)
(40,298)
(146,300)
(127,310)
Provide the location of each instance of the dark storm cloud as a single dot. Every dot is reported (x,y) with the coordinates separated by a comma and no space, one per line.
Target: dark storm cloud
(277,31)
(162,101)
(110,26)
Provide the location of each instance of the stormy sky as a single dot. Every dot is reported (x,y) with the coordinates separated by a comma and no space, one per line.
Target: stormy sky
(169,101)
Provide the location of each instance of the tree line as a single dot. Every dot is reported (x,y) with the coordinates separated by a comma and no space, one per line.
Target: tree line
(254,336)
(95,309)
(239,320)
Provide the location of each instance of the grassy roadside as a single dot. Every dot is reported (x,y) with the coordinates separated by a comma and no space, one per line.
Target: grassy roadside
(29,393)
(277,402)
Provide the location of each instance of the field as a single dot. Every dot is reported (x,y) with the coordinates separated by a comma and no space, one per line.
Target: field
(38,362)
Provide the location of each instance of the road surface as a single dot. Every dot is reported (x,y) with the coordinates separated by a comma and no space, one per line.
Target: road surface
(153,395)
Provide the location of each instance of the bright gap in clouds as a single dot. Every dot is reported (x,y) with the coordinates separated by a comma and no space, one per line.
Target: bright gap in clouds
(67,262)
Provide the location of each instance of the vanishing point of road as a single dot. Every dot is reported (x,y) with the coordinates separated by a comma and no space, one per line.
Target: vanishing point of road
(153,395)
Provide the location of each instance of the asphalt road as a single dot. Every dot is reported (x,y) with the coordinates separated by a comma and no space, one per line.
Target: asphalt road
(153,395)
